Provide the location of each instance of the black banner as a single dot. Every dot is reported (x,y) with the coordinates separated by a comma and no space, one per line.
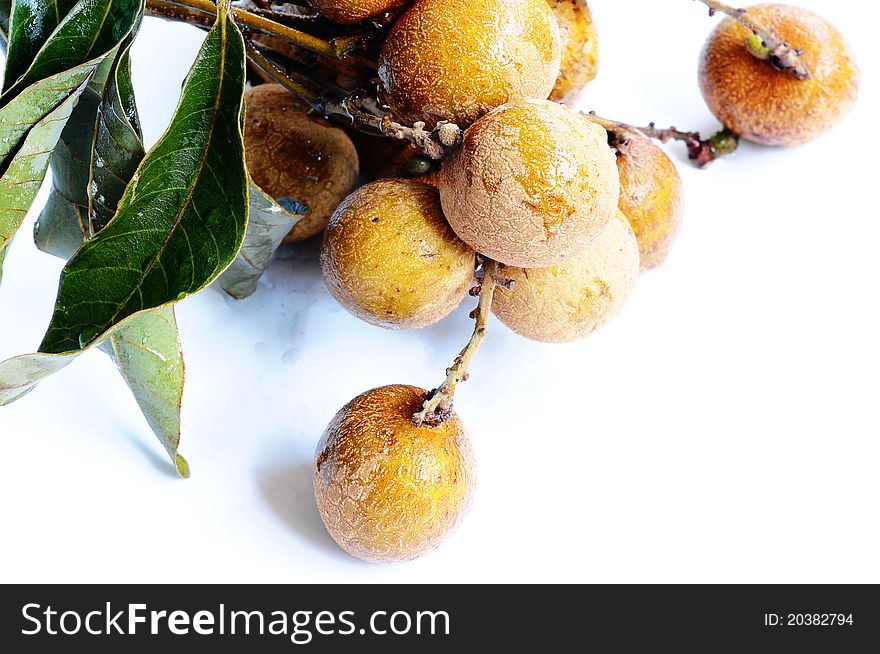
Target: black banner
(437,618)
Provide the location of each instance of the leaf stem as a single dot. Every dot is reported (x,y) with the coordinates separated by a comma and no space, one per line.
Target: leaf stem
(437,408)
(764,44)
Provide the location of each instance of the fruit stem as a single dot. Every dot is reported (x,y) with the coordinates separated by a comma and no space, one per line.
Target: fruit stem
(764,43)
(437,408)
(173,11)
(336,50)
(700,151)
(311,97)
(434,143)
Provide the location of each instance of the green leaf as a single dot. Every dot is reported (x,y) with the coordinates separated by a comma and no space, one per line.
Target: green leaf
(35,109)
(5,10)
(104,128)
(98,153)
(118,145)
(268,224)
(33,23)
(21,374)
(183,217)
(147,351)
(35,119)
(89,30)
(62,224)
(58,231)
(157,398)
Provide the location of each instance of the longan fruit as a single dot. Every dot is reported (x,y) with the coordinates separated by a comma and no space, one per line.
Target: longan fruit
(580,49)
(457,59)
(291,156)
(390,258)
(651,194)
(352,11)
(570,300)
(773,107)
(532,183)
(386,490)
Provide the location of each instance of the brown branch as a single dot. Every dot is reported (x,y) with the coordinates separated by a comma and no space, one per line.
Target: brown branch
(268,26)
(764,43)
(310,96)
(437,408)
(172,11)
(434,143)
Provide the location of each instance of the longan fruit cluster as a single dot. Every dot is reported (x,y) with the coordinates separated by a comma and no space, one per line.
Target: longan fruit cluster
(567,208)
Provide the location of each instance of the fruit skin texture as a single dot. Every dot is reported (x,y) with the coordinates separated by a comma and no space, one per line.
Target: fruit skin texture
(458,59)
(289,155)
(651,195)
(386,490)
(580,49)
(532,183)
(772,107)
(352,11)
(572,299)
(391,259)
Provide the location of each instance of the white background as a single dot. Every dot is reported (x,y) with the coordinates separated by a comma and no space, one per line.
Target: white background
(724,428)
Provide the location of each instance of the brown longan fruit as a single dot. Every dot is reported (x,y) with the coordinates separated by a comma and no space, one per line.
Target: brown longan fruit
(572,299)
(532,183)
(352,11)
(457,59)
(293,157)
(580,49)
(773,107)
(386,490)
(390,258)
(651,194)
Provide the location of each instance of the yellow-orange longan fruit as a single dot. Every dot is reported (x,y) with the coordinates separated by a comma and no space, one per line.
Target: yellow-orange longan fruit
(580,49)
(773,107)
(457,59)
(572,299)
(390,258)
(351,11)
(386,490)
(532,183)
(651,194)
(292,157)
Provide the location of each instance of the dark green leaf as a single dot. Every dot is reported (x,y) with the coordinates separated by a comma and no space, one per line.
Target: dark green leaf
(90,29)
(268,224)
(103,129)
(118,147)
(182,219)
(64,221)
(31,124)
(33,23)
(35,109)
(5,10)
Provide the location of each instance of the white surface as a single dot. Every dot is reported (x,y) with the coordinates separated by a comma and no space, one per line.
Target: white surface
(723,428)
